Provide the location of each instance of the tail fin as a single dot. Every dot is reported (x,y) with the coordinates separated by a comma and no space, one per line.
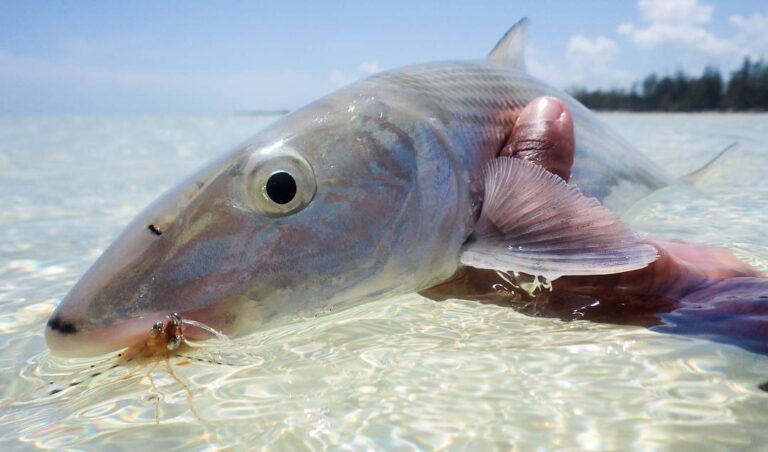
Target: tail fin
(697,175)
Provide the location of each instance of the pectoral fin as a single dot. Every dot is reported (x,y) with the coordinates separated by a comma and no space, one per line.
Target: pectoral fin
(534,222)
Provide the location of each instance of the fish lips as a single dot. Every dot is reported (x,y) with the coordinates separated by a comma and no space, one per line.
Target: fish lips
(65,339)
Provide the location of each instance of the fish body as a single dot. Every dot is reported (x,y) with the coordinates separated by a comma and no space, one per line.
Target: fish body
(371,191)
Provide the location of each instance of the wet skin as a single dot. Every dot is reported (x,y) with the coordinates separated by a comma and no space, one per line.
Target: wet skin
(691,289)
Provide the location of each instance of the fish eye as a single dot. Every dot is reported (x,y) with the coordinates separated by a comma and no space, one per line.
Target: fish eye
(279,185)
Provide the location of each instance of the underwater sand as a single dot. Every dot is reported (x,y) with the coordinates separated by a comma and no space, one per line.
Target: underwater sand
(402,373)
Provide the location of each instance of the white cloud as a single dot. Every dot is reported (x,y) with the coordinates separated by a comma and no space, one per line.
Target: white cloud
(676,11)
(679,23)
(694,37)
(753,27)
(600,50)
(369,67)
(31,85)
(588,63)
(551,73)
(669,34)
(625,29)
(339,77)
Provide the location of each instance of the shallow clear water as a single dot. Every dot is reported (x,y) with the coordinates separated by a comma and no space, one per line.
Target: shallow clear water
(401,373)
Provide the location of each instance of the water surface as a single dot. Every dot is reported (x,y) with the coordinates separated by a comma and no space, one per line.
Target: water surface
(401,373)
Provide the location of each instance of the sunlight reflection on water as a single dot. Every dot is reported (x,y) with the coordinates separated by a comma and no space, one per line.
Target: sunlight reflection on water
(399,373)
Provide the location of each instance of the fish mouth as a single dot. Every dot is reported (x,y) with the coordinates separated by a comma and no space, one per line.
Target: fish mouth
(66,340)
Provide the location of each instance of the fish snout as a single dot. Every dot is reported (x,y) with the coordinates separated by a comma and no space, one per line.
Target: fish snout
(179,255)
(70,335)
(65,338)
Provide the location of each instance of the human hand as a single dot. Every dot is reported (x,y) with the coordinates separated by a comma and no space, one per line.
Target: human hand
(544,134)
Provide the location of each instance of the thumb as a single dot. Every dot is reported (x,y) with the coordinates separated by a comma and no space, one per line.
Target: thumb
(543,134)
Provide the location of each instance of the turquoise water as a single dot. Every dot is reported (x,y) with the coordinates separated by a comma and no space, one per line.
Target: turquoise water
(402,373)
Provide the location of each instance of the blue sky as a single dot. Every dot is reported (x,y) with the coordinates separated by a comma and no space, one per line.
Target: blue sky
(187,57)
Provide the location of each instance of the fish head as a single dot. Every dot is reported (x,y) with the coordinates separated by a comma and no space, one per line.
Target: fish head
(294,220)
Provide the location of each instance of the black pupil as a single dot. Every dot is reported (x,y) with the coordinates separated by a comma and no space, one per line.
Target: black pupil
(281,187)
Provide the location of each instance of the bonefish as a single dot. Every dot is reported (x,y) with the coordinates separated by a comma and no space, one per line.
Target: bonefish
(387,186)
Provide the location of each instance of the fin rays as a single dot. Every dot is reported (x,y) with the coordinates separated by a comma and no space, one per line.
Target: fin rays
(534,222)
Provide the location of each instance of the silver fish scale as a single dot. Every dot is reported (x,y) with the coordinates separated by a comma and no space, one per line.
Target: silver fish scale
(470,92)
(481,103)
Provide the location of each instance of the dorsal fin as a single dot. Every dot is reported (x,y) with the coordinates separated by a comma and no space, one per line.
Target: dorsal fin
(510,49)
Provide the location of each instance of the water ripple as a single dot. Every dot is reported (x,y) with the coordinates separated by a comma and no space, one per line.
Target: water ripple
(405,373)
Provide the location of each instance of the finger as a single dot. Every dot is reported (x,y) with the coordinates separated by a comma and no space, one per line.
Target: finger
(543,134)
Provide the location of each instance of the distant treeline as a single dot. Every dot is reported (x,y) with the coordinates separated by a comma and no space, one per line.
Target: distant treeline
(745,90)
